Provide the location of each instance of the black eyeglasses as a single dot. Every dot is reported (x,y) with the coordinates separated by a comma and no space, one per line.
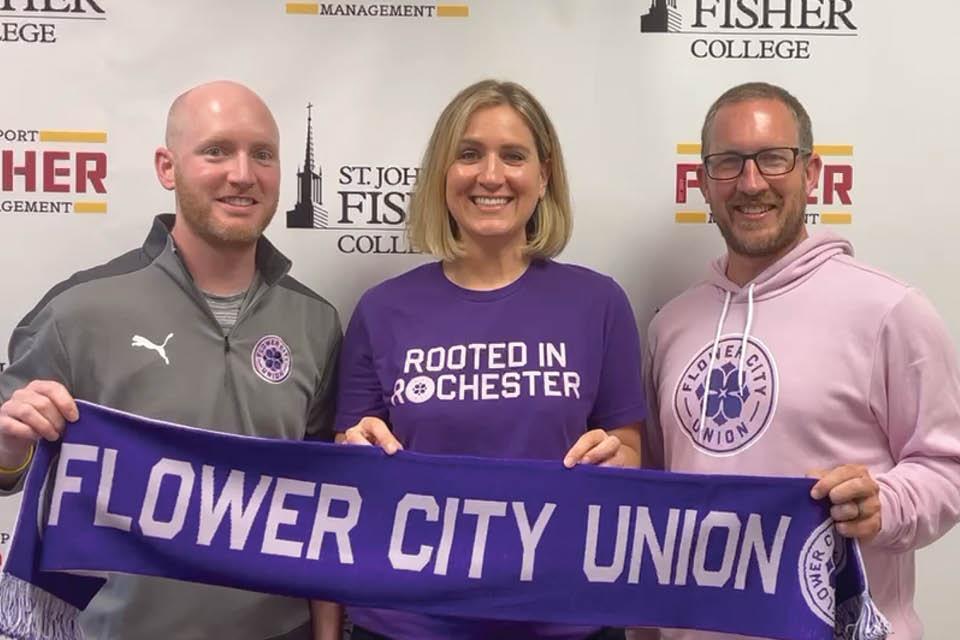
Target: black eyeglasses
(775,161)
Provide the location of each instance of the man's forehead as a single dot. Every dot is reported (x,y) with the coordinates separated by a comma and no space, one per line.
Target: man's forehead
(237,135)
(745,108)
(246,128)
(758,119)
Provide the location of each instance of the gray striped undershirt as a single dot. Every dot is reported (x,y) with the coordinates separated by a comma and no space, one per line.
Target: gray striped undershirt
(225,308)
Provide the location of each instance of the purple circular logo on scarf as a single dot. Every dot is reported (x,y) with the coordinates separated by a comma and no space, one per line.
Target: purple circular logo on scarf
(822,558)
(271,359)
(737,415)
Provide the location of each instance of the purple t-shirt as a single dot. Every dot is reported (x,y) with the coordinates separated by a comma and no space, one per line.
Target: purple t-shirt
(518,372)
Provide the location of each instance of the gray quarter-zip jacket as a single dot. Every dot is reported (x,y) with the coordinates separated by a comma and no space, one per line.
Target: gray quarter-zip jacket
(136,334)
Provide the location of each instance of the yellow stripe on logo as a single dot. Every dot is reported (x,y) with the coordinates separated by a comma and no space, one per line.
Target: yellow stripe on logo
(693,149)
(73,136)
(303,7)
(453,11)
(836,218)
(686,217)
(834,149)
(89,207)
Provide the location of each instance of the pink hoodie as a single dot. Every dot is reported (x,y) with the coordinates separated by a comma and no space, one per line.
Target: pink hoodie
(842,364)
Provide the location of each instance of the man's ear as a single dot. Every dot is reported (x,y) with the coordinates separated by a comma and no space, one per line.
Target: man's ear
(163,164)
(702,182)
(811,172)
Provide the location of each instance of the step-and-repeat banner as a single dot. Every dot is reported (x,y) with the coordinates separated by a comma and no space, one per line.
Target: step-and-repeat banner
(86,86)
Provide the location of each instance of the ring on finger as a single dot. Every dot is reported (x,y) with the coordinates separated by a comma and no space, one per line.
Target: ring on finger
(859,504)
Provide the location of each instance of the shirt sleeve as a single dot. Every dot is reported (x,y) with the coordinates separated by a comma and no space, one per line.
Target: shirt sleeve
(36,352)
(915,394)
(620,398)
(320,415)
(359,394)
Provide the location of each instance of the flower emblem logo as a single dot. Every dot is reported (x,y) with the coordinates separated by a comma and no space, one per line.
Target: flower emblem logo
(726,399)
(739,411)
(271,359)
(420,389)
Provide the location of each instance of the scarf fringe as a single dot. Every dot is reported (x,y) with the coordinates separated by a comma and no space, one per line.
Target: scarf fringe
(27,612)
(859,618)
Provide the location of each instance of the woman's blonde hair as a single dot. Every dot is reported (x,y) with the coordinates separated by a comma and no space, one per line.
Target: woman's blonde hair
(432,229)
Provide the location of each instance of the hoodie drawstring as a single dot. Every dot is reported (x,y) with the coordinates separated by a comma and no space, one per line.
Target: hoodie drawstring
(746,335)
(713,358)
(716,346)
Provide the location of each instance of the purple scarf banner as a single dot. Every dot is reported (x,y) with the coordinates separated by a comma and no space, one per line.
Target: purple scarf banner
(445,535)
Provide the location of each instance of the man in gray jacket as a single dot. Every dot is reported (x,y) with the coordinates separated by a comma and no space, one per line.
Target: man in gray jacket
(200,326)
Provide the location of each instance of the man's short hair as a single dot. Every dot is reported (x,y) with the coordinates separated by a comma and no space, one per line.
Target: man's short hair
(432,229)
(761,91)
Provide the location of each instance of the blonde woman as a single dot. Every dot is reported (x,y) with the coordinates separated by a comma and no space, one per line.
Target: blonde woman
(496,349)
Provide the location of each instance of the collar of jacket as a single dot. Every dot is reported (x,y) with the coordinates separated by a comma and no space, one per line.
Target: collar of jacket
(271,264)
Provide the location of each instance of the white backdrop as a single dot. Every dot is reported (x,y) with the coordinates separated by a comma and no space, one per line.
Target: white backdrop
(881,86)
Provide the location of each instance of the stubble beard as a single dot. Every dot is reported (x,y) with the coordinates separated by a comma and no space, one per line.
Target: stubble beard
(791,218)
(197,212)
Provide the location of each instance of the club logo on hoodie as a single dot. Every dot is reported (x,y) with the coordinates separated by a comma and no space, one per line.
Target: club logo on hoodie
(726,405)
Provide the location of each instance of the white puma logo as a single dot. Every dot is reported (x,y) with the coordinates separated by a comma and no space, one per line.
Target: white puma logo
(140,341)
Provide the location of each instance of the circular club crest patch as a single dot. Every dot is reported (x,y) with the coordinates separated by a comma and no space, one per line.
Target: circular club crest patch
(823,556)
(271,359)
(736,415)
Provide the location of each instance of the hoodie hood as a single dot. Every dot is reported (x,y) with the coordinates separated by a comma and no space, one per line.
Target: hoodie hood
(785,273)
(781,276)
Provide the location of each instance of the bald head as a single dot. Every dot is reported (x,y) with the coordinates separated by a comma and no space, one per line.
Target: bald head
(213,98)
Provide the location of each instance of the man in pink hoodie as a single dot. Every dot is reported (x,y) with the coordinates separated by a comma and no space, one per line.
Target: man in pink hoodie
(792,358)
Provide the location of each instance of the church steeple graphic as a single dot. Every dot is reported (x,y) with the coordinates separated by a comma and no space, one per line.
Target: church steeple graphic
(308,157)
(308,212)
